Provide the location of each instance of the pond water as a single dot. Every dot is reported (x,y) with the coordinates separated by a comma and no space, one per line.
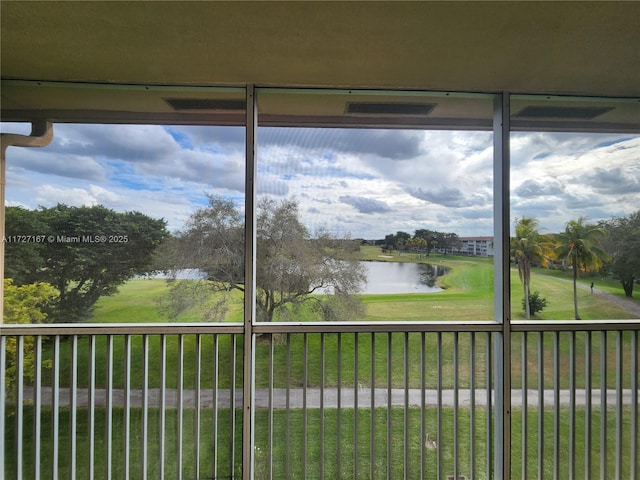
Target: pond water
(382,277)
(394,277)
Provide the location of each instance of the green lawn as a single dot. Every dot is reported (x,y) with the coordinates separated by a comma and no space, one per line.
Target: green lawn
(468,296)
(335,453)
(135,302)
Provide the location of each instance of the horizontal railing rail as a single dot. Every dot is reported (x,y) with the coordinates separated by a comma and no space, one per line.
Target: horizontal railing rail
(65,329)
(314,327)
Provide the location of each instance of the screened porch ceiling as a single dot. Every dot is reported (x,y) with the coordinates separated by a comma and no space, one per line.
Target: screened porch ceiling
(159,62)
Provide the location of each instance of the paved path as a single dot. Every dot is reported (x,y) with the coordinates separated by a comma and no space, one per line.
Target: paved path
(313,396)
(627,304)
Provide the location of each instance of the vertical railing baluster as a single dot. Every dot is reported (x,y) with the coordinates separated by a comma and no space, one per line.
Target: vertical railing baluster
(214,400)
(180,418)
(634,406)
(322,379)
(109,425)
(489,441)
(3,395)
(423,419)
(439,406)
(163,402)
(339,412)
(619,367)
(198,404)
(572,405)
(232,406)
(372,418)
(74,404)
(540,405)
(603,404)
(406,405)
(270,424)
(92,405)
(355,405)
(456,399)
(389,403)
(472,405)
(145,406)
(287,433)
(37,406)
(525,412)
(305,380)
(587,405)
(127,405)
(556,405)
(19,421)
(55,407)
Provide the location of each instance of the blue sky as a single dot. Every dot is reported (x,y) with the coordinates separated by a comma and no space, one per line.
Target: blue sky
(366,183)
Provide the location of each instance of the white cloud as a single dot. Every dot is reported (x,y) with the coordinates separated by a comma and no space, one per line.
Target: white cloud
(50,195)
(557,177)
(366,182)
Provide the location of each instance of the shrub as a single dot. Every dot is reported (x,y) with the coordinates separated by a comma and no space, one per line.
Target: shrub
(536,303)
(24,304)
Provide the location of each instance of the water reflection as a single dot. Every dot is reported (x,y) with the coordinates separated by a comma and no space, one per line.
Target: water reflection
(393,277)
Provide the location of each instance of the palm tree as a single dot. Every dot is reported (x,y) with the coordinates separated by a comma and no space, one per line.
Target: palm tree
(579,246)
(526,247)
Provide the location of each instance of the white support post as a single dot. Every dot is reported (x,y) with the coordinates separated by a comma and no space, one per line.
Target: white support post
(502,294)
(41,136)
(249,285)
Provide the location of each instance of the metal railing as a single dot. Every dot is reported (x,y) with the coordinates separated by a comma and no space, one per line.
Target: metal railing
(578,401)
(400,400)
(122,405)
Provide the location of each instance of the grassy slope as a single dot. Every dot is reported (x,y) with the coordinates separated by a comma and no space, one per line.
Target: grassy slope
(468,296)
(469,293)
(136,302)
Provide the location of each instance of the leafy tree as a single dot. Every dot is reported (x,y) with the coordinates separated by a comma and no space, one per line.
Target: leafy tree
(290,268)
(23,260)
(527,247)
(24,304)
(623,245)
(445,241)
(450,241)
(579,246)
(417,243)
(430,237)
(84,252)
(397,241)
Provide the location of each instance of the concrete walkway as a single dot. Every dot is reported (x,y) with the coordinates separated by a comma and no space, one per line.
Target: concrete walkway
(296,397)
(624,303)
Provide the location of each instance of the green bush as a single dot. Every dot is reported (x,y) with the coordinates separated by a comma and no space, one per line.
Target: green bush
(536,303)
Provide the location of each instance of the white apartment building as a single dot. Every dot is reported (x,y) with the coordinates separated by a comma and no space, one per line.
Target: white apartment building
(476,246)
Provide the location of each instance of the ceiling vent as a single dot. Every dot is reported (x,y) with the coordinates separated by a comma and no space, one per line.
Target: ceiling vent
(562,113)
(390,109)
(180,104)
